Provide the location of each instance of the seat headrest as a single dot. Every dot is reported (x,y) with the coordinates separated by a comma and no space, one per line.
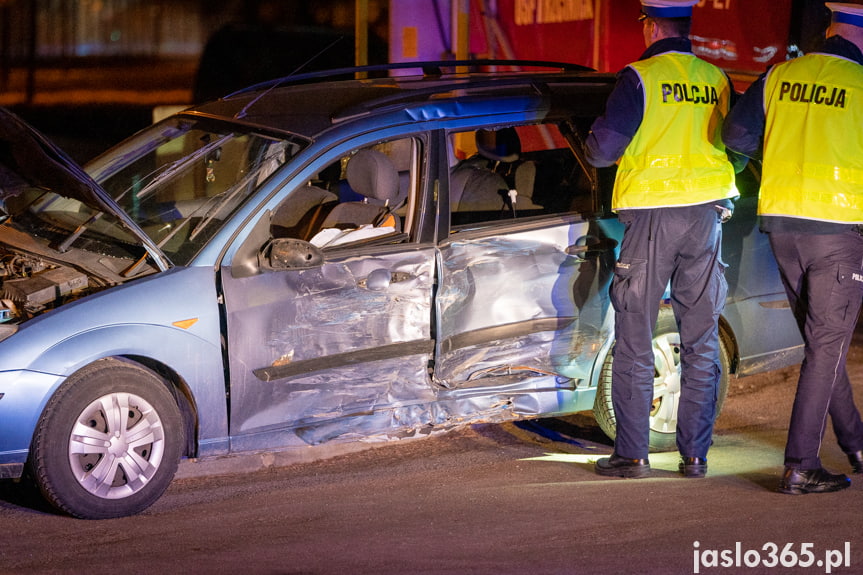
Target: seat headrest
(499,145)
(372,174)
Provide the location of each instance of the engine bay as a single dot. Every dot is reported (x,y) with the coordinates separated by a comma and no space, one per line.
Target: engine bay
(30,285)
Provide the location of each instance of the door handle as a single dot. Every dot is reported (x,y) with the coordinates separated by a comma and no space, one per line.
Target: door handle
(589,246)
(380,279)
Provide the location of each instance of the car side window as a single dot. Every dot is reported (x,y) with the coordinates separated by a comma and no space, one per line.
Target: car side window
(369,193)
(515,171)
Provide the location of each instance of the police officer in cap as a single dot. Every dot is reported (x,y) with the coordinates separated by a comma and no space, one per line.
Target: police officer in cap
(674,186)
(803,118)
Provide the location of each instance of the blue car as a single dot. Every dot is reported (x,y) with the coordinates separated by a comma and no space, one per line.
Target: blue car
(329,257)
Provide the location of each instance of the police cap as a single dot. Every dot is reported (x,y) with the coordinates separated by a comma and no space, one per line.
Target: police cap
(847,13)
(667,8)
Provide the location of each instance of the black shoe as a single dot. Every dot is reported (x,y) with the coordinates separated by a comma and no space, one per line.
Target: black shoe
(616,466)
(856,460)
(799,481)
(693,466)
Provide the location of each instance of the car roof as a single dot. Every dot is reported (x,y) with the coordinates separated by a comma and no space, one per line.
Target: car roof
(308,105)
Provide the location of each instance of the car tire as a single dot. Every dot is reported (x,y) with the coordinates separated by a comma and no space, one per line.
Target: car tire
(108,442)
(663,413)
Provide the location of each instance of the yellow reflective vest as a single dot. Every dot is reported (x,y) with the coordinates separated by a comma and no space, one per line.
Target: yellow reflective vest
(813,141)
(677,157)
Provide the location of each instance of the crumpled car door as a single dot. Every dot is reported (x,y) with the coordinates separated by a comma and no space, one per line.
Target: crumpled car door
(524,311)
(340,348)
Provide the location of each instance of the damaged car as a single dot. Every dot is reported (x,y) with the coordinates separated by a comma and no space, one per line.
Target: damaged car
(321,259)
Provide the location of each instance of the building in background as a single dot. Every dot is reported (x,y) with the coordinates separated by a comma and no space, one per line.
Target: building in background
(40,39)
(88,28)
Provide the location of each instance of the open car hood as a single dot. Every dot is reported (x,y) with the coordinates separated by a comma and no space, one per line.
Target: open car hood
(29,159)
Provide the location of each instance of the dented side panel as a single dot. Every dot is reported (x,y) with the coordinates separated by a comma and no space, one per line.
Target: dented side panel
(337,341)
(534,302)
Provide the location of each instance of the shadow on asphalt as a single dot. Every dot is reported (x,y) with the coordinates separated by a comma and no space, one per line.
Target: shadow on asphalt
(767,481)
(23,495)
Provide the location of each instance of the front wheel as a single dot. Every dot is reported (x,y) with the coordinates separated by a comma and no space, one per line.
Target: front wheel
(666,386)
(108,442)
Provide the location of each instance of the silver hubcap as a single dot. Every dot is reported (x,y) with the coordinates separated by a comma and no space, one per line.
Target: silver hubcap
(666,383)
(116,445)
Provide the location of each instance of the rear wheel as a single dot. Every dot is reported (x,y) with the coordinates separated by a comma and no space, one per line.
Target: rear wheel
(109,441)
(666,386)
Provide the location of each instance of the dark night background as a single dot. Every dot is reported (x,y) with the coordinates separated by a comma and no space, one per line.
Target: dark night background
(88,73)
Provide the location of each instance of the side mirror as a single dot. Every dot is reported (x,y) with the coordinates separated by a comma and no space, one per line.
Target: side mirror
(291,254)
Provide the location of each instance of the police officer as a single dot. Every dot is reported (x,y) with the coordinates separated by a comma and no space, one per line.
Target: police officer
(674,184)
(804,117)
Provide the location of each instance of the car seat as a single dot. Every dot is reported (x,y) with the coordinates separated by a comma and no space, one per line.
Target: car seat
(503,147)
(483,182)
(302,212)
(371,174)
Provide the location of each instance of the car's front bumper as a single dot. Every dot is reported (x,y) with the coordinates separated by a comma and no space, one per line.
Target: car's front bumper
(22,397)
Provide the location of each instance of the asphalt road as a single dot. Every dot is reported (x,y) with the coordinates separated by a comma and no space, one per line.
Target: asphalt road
(488,499)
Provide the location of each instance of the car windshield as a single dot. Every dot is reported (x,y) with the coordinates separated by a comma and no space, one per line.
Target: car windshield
(181,179)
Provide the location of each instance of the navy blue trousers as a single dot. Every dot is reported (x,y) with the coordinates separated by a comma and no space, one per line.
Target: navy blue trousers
(680,245)
(823,277)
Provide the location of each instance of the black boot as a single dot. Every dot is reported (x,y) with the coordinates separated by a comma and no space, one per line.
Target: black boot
(616,466)
(693,466)
(797,481)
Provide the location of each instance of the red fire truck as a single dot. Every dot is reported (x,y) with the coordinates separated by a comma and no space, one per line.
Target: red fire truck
(743,37)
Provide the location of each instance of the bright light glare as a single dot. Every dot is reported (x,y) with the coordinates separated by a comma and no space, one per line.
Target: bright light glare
(660,460)
(567,457)
(723,462)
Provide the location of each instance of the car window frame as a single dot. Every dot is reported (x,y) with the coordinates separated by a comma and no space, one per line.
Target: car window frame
(241,252)
(599,192)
